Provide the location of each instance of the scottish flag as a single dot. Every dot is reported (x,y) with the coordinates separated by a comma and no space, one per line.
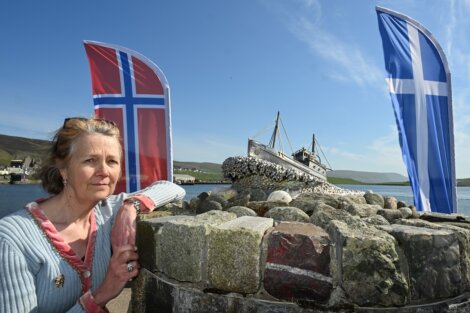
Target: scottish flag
(132,91)
(419,84)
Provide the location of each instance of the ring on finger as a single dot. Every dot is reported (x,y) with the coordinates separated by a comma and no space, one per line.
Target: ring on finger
(130,267)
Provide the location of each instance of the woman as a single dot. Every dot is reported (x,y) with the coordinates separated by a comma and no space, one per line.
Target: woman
(74,251)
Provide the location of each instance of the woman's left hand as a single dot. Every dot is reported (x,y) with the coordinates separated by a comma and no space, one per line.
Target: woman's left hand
(124,227)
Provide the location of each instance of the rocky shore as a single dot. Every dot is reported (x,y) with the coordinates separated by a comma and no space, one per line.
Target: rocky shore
(279,241)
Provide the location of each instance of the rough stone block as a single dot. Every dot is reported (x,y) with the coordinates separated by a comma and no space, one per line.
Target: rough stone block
(325,198)
(154,293)
(390,215)
(463,236)
(328,213)
(151,293)
(183,245)
(433,257)
(375,220)
(154,214)
(261,207)
(366,264)
(242,211)
(234,254)
(288,214)
(308,207)
(374,198)
(208,205)
(297,264)
(363,210)
(353,199)
(147,240)
(390,203)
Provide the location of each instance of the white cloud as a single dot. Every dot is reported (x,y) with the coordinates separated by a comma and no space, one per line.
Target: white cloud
(382,153)
(348,61)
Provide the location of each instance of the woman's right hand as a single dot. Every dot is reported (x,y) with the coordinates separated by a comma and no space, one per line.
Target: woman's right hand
(117,274)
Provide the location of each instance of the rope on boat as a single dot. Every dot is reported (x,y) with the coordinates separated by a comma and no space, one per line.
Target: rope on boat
(287,137)
(323,154)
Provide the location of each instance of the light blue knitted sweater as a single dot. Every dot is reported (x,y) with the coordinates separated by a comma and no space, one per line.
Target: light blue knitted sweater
(30,265)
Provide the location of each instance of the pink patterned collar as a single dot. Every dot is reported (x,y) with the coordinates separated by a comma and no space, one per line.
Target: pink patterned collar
(83,268)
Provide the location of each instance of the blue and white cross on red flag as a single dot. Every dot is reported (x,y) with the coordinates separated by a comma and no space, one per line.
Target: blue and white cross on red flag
(419,84)
(132,91)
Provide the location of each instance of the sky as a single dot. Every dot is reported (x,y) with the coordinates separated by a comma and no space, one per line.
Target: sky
(231,65)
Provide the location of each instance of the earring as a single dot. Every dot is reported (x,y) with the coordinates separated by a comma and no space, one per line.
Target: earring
(64,181)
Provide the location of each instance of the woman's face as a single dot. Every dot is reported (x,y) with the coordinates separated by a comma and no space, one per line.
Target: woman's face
(93,169)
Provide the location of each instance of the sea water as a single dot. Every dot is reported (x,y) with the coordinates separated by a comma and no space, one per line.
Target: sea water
(14,197)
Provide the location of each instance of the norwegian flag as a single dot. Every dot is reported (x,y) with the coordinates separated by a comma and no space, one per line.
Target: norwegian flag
(132,91)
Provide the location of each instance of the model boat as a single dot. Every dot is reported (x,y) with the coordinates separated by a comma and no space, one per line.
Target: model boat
(304,160)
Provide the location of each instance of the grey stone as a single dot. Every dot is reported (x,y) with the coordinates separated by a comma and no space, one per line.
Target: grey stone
(261,207)
(433,258)
(363,210)
(177,208)
(366,264)
(374,198)
(325,198)
(242,211)
(203,195)
(241,199)
(227,193)
(353,199)
(218,198)
(415,213)
(257,194)
(150,292)
(288,214)
(155,293)
(390,203)
(326,214)
(234,254)
(442,217)
(280,196)
(308,206)
(463,236)
(147,240)
(209,205)
(390,215)
(194,203)
(401,204)
(405,212)
(376,220)
(183,245)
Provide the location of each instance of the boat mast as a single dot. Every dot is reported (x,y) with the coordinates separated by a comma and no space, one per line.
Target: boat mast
(313,144)
(272,142)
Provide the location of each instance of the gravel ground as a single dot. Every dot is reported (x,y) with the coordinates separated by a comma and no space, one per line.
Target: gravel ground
(121,303)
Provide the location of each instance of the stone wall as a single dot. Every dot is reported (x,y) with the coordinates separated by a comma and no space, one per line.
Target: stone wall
(252,248)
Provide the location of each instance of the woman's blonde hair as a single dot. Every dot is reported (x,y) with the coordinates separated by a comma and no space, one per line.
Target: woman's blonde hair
(62,147)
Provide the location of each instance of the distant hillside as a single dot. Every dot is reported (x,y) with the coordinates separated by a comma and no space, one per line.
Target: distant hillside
(204,171)
(12,147)
(368,177)
(201,166)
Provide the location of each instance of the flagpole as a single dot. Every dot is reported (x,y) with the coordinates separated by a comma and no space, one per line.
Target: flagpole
(170,149)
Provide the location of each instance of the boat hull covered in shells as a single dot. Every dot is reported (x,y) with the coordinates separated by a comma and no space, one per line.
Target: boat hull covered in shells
(261,151)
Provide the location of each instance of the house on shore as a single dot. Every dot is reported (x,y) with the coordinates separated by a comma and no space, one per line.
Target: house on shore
(182,179)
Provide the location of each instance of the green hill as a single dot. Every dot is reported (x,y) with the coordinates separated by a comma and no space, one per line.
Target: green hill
(202,171)
(12,147)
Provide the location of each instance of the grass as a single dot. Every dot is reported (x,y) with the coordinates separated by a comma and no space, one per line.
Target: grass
(202,176)
(343,181)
